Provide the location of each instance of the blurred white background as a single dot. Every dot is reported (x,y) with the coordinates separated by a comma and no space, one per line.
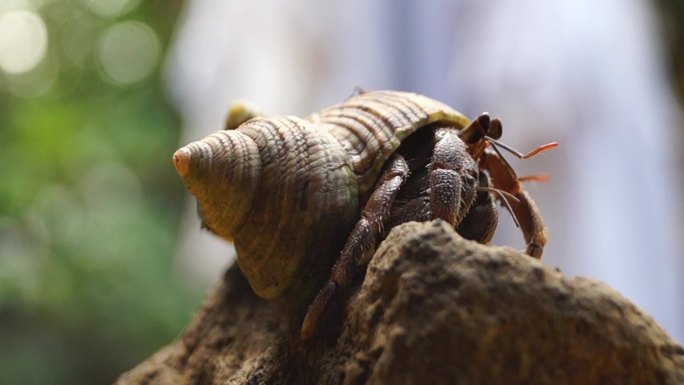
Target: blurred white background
(590,75)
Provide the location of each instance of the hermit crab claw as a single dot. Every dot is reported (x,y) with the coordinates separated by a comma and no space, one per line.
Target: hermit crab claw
(523,208)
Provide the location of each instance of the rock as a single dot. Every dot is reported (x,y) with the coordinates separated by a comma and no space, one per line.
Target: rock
(433,308)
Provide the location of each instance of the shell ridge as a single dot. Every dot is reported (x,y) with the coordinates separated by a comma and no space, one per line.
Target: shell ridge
(271,153)
(243,144)
(284,169)
(366,137)
(383,105)
(312,174)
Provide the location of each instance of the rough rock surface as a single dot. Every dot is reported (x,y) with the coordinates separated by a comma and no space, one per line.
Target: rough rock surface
(432,308)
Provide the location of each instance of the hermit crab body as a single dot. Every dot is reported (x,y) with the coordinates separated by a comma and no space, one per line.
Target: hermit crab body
(295,194)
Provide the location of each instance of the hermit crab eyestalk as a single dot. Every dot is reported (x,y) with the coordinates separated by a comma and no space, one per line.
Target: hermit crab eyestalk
(495,129)
(477,129)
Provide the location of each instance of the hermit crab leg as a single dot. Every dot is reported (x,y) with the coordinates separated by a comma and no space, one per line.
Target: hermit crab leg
(504,178)
(453,177)
(483,133)
(480,222)
(361,242)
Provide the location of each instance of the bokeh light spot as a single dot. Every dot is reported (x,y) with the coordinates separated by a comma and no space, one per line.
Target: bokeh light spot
(128,52)
(110,8)
(23,41)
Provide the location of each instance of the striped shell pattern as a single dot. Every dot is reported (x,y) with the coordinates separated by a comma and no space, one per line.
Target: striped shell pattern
(287,191)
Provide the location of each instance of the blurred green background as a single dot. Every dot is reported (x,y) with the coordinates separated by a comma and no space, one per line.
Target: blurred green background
(89,201)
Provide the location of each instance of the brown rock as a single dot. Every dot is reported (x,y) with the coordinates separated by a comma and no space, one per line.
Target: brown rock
(433,308)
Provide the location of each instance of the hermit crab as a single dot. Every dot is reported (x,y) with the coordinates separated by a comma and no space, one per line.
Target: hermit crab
(309,199)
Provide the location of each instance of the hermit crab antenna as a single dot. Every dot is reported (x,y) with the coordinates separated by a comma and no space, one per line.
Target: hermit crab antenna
(494,133)
(534,178)
(503,195)
(517,153)
(503,159)
(356,92)
(499,192)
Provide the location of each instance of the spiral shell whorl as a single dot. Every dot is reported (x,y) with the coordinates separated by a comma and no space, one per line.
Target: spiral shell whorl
(269,185)
(372,125)
(306,181)
(287,190)
(223,171)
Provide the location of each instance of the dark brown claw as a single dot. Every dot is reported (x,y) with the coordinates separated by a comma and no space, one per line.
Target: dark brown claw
(453,177)
(481,137)
(451,187)
(480,222)
(524,209)
(457,181)
(317,309)
(361,242)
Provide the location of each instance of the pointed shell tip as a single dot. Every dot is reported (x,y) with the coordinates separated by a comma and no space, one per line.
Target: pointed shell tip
(181,160)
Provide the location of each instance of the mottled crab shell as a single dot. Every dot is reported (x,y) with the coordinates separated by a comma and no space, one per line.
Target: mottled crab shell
(288,191)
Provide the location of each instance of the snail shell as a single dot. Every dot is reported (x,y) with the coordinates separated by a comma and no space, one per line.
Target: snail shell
(287,190)
(370,126)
